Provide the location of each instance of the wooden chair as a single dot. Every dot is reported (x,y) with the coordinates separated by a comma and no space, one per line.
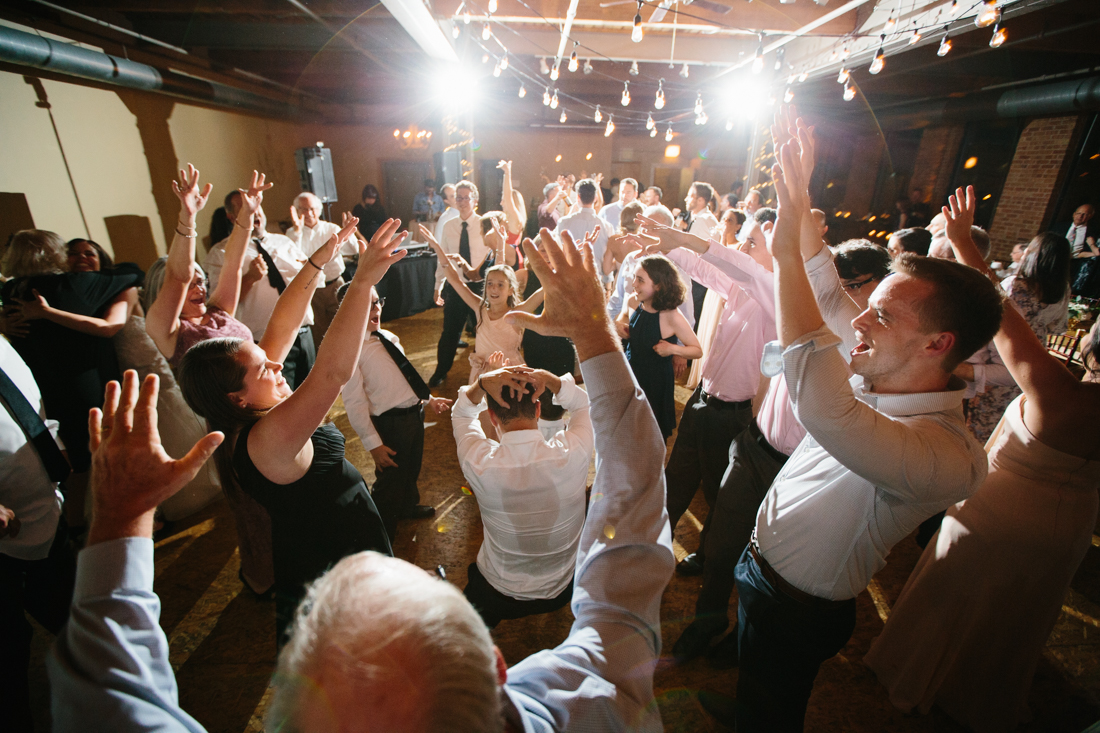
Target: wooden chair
(1064,346)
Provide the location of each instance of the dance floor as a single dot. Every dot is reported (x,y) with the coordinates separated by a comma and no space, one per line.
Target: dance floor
(222,636)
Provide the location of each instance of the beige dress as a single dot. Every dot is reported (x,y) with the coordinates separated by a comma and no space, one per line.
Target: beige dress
(498,335)
(971,622)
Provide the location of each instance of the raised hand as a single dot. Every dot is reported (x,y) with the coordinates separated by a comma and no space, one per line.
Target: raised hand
(494,384)
(496,361)
(426,233)
(791,193)
(131,473)
(574,300)
(295,217)
(960,214)
(662,238)
(192,200)
(505,165)
(252,197)
(376,256)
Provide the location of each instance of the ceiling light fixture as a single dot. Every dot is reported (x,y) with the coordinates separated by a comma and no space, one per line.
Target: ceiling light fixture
(610,126)
(659,101)
(988,14)
(522,91)
(486,32)
(554,100)
(649,123)
(849,91)
(915,38)
(880,58)
(598,117)
(563,117)
(504,61)
(554,72)
(546,97)
(626,93)
(999,36)
(843,76)
(574,62)
(633,68)
(668,134)
(945,44)
(758,59)
(636,33)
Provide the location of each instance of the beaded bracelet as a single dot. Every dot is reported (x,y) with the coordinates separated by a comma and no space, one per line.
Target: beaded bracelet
(186,236)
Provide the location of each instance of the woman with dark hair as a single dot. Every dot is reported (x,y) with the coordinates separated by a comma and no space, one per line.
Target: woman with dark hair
(370,212)
(1041,291)
(87,256)
(278,445)
(69,318)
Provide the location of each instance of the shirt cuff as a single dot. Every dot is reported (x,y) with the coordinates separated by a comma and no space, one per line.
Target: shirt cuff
(464,406)
(569,395)
(107,567)
(607,373)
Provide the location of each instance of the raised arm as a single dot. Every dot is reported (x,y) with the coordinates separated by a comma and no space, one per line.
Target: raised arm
(789,126)
(118,312)
(516,216)
(163,319)
(228,292)
(531,304)
(468,296)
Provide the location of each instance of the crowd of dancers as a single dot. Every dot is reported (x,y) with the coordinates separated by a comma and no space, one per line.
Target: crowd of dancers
(826,425)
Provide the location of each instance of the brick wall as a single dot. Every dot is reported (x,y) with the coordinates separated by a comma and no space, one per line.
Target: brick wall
(1042,157)
(935,162)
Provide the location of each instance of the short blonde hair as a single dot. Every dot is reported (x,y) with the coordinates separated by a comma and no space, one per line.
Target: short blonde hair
(35,252)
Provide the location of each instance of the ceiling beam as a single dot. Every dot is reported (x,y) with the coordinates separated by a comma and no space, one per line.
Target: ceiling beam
(414,17)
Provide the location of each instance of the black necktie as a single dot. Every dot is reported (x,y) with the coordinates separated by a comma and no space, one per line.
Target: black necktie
(36,431)
(407,369)
(273,275)
(464,243)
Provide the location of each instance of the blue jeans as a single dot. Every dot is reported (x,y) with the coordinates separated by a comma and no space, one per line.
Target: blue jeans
(781,644)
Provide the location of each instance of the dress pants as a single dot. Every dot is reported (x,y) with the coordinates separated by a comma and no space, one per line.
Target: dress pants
(299,360)
(44,589)
(701,452)
(781,643)
(494,606)
(395,491)
(455,313)
(754,464)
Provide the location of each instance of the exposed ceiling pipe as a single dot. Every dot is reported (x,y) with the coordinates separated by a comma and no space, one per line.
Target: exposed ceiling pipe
(27,49)
(566,30)
(418,22)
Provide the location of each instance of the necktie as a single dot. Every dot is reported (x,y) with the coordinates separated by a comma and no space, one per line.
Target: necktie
(407,369)
(273,275)
(36,431)
(464,243)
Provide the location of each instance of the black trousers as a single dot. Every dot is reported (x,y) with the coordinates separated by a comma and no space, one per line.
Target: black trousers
(701,453)
(495,607)
(299,360)
(455,314)
(754,464)
(781,643)
(44,589)
(395,491)
(698,294)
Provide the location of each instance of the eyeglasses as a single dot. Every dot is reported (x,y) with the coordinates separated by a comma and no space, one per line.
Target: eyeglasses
(379,303)
(463,198)
(855,286)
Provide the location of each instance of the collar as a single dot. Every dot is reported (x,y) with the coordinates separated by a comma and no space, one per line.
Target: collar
(520,437)
(914,403)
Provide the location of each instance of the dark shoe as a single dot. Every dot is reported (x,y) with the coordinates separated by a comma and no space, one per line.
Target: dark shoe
(420,511)
(436,380)
(723,655)
(691,566)
(695,640)
(724,709)
(463,345)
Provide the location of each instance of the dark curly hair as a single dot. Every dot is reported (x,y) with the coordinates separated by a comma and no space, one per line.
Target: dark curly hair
(669,286)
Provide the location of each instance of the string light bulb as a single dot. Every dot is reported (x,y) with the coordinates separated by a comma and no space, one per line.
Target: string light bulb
(758,59)
(504,61)
(649,123)
(846,51)
(598,117)
(954,9)
(587,66)
(659,101)
(492,6)
(788,96)
(543,68)
(834,54)
(803,76)
(496,69)
(701,118)
(999,36)
(554,100)
(636,33)
(626,93)
(554,72)
(849,91)
(546,97)
(563,117)
(466,16)
(880,58)
(988,14)
(653,132)
(699,104)
(634,68)
(779,56)
(610,126)
(455,31)
(522,91)
(945,44)
(843,76)
(574,62)
(685,71)
(915,38)
(668,134)
(889,25)
(486,31)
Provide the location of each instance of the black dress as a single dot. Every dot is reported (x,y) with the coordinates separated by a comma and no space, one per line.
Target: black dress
(72,368)
(322,517)
(370,218)
(655,373)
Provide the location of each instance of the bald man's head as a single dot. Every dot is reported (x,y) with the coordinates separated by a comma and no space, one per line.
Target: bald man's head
(309,208)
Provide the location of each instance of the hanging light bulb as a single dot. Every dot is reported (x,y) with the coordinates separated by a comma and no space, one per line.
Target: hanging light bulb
(522,91)
(758,59)
(554,72)
(889,25)
(834,54)
(466,17)
(843,76)
(563,117)
(803,76)
(999,36)
(492,6)
(729,125)
(684,71)
(790,79)
(668,134)
(880,58)
(504,61)
(988,14)
(626,93)
(701,119)
(610,126)
(915,38)
(484,58)
(653,132)
(587,66)
(945,44)
(636,33)
(496,69)
(486,32)
(788,96)
(455,31)
(574,62)
(846,51)
(598,117)
(543,68)
(849,92)
(546,97)
(699,104)
(649,123)
(659,100)
(779,56)
(554,100)
(954,9)
(633,68)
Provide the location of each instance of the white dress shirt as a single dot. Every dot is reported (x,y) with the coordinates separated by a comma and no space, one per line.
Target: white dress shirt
(255,308)
(579,225)
(871,469)
(25,487)
(530,492)
(611,214)
(452,234)
(624,286)
(446,216)
(1077,236)
(376,386)
(310,240)
(704,224)
(731,371)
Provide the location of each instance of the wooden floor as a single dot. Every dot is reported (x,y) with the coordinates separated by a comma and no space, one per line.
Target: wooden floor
(223,646)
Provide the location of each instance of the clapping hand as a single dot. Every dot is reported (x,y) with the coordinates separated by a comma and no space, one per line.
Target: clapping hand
(257,270)
(192,200)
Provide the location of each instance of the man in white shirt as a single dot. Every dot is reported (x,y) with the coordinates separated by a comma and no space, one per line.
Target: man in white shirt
(754,201)
(704,224)
(530,491)
(37,567)
(448,194)
(461,236)
(267,275)
(386,404)
(1082,239)
(310,233)
(584,221)
(883,452)
(628,191)
(651,196)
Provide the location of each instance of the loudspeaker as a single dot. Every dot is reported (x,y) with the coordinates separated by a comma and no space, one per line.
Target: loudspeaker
(315,172)
(448,167)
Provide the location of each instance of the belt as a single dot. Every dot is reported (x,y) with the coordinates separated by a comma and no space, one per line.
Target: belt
(765,444)
(783,586)
(720,404)
(399,411)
